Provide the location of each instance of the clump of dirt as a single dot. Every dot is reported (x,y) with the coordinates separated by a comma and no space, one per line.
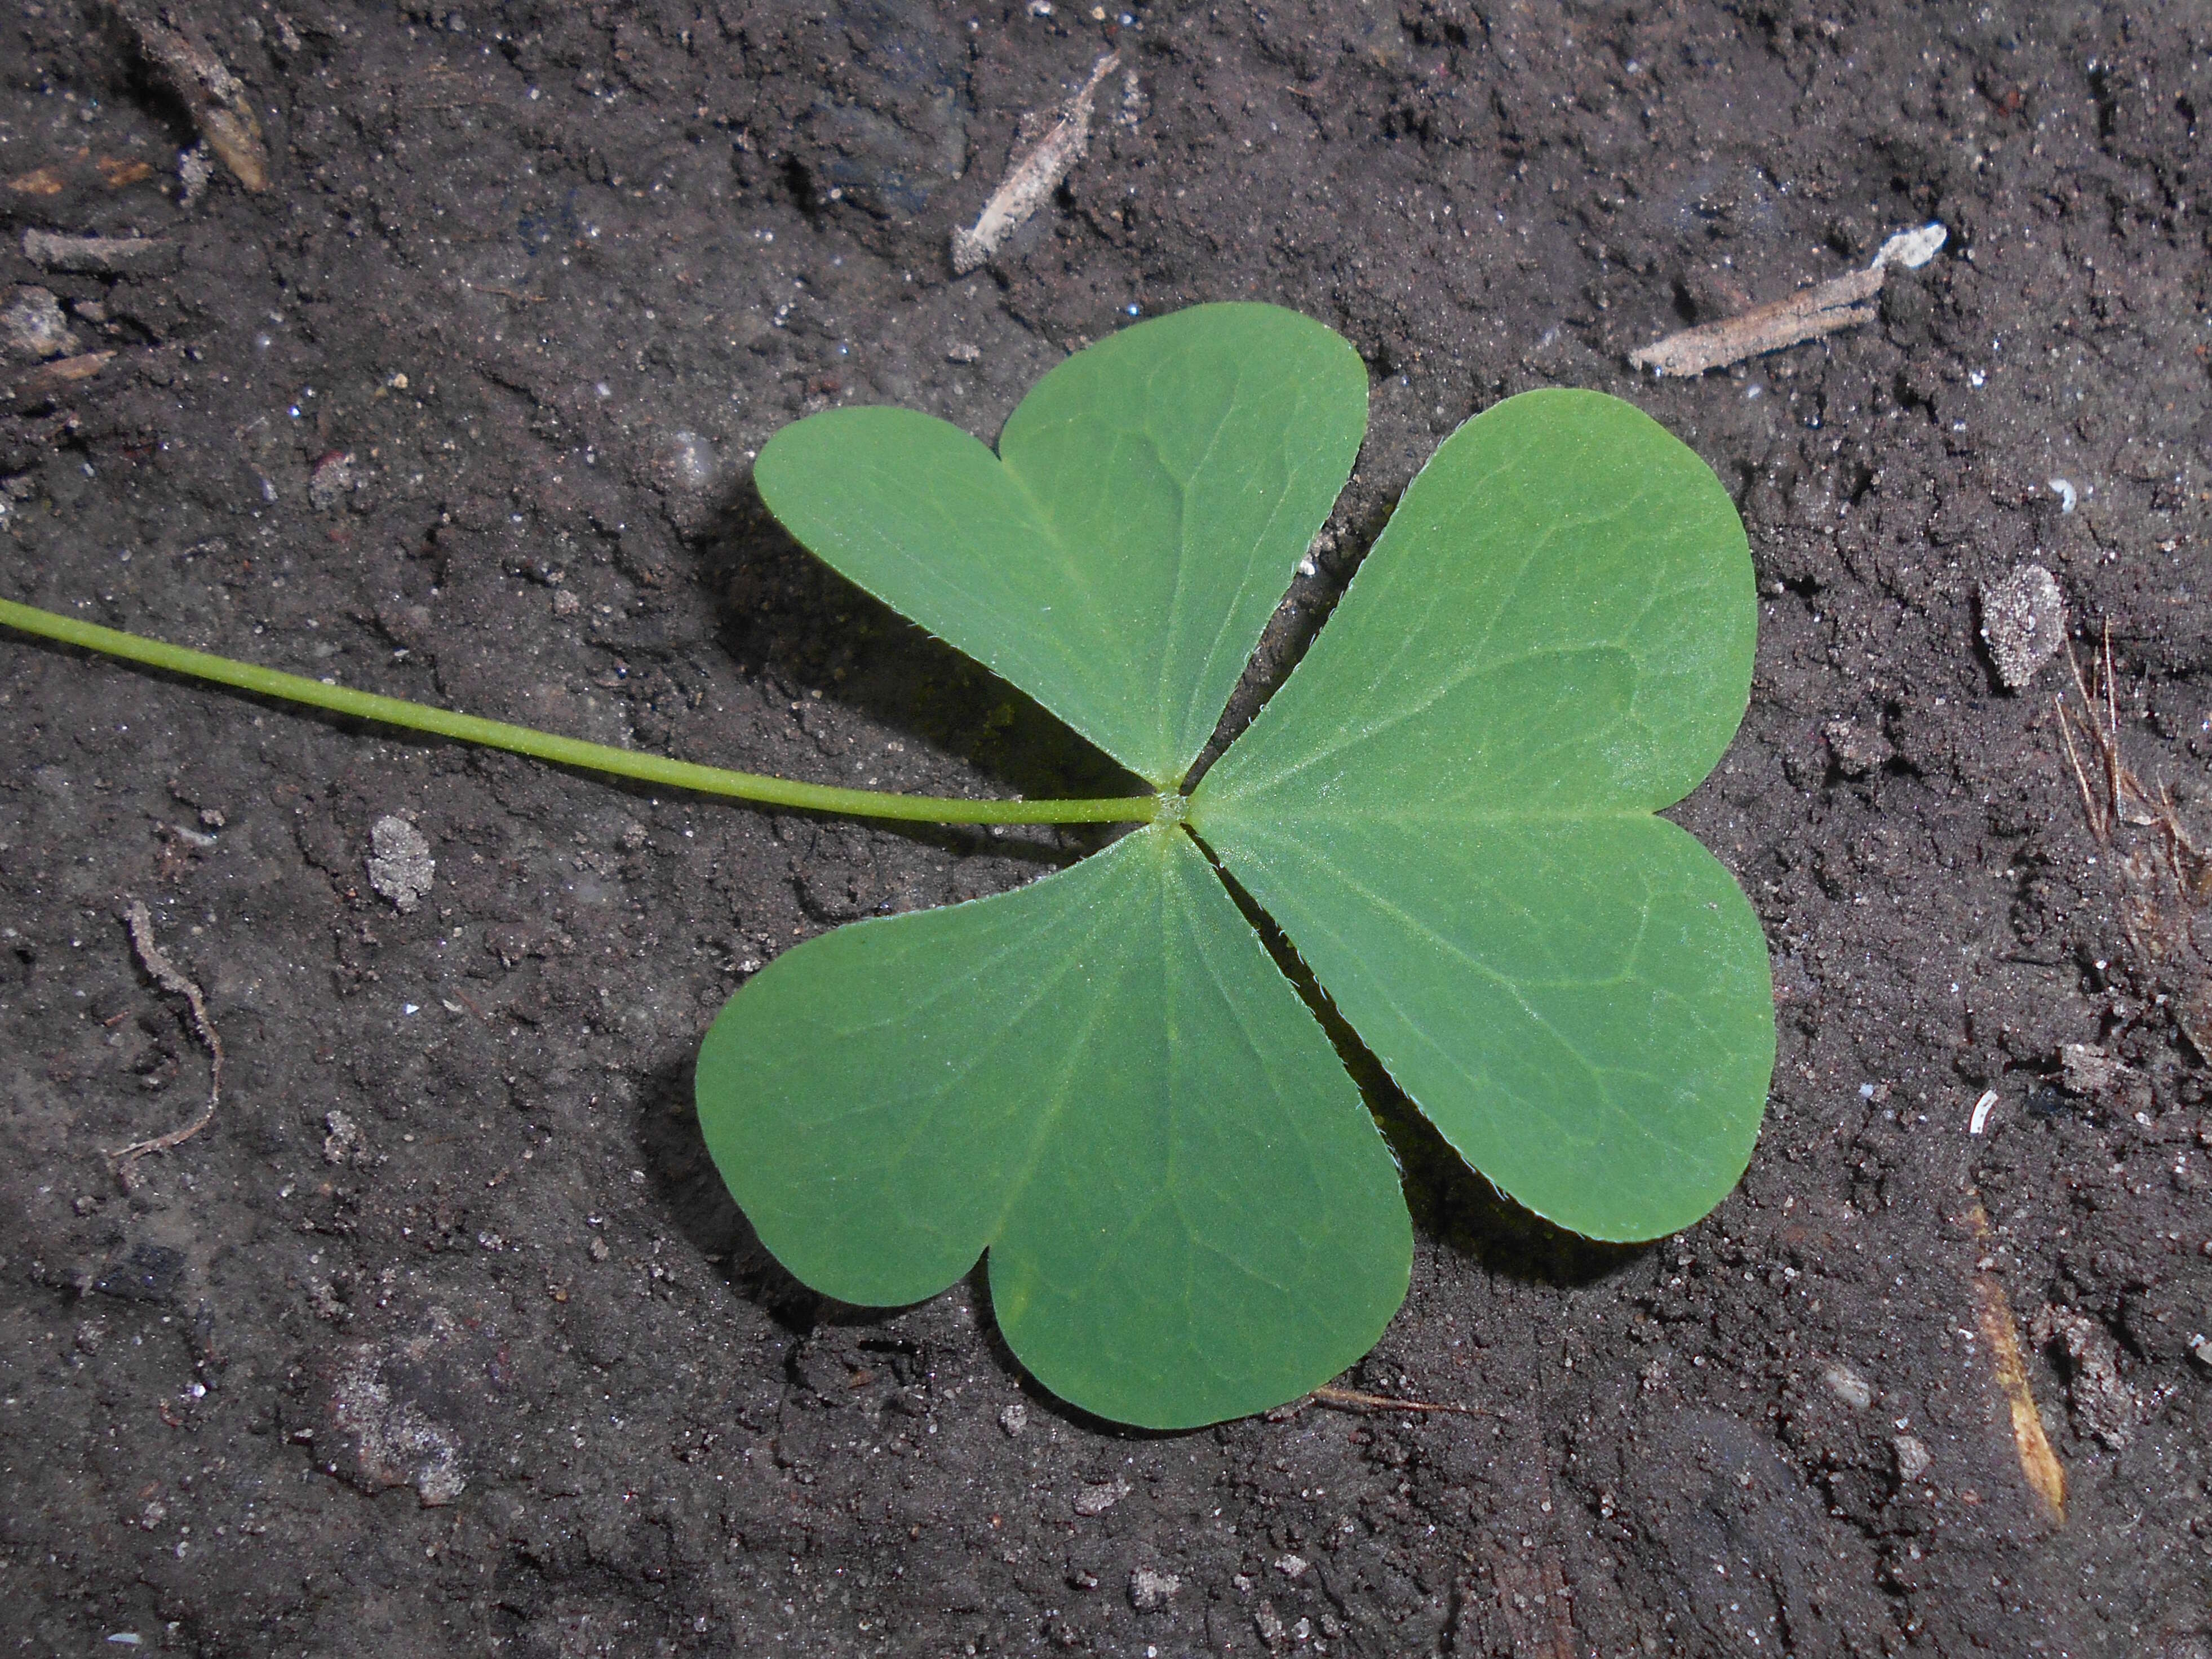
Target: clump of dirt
(442,1335)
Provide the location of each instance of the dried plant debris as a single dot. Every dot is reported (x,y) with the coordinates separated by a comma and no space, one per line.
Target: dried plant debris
(1032,174)
(41,386)
(2023,624)
(2039,1464)
(2163,870)
(220,105)
(1841,302)
(80,170)
(167,975)
(101,255)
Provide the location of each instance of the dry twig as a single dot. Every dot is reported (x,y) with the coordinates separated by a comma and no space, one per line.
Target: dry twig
(1839,303)
(168,976)
(221,107)
(1353,1400)
(2039,1464)
(1033,175)
(2126,798)
(506,293)
(47,379)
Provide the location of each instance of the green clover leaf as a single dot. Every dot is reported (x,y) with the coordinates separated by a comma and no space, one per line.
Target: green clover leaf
(1102,1079)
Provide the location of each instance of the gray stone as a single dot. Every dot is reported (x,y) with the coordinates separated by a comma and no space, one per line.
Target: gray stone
(2085,1069)
(2023,624)
(401,867)
(33,326)
(1858,750)
(1148,1591)
(1099,1496)
(1913,1456)
(1848,1386)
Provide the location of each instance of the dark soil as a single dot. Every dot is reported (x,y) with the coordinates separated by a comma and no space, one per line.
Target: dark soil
(442,1338)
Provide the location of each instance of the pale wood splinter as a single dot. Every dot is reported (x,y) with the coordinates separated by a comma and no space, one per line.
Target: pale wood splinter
(1841,302)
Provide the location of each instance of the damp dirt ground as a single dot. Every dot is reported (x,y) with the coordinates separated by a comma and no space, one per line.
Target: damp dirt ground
(441,1337)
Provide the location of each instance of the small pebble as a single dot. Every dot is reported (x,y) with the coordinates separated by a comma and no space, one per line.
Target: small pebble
(2085,1069)
(1858,750)
(1014,1419)
(345,1143)
(1913,1456)
(1848,1386)
(1099,1496)
(333,478)
(1149,1590)
(2023,624)
(33,326)
(688,461)
(400,866)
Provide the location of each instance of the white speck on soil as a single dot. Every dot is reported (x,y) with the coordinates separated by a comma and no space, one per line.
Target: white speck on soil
(1015,1418)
